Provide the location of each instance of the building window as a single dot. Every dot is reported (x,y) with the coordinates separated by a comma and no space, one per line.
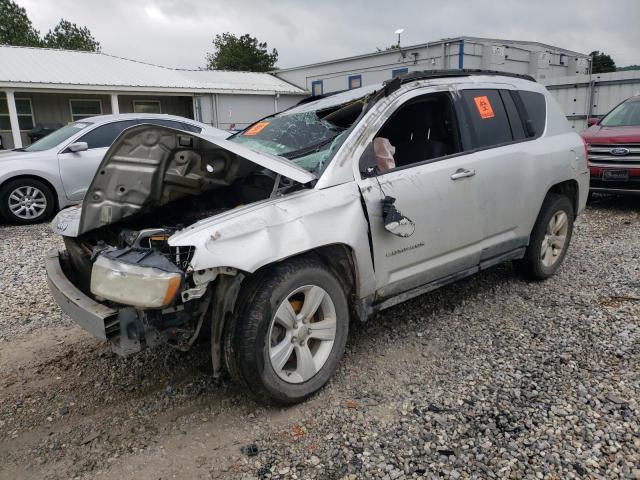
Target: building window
(562,59)
(399,71)
(355,81)
(316,88)
(25,114)
(81,109)
(146,106)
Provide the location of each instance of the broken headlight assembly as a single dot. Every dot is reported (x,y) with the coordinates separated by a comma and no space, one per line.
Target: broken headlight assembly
(140,278)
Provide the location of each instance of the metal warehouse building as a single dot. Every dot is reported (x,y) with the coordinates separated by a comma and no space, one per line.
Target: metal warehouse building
(539,60)
(55,87)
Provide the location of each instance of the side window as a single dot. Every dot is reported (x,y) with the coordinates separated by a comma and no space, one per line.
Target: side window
(422,129)
(534,111)
(399,71)
(104,135)
(488,117)
(515,122)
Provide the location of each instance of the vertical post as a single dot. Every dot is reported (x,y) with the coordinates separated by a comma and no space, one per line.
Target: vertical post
(275,102)
(13,119)
(115,106)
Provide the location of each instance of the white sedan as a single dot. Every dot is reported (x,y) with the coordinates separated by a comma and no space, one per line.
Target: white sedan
(56,171)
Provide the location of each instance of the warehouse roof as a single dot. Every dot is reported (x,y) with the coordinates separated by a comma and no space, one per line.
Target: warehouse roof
(27,67)
(524,43)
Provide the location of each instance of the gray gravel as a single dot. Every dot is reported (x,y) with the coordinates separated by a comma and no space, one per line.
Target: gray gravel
(492,377)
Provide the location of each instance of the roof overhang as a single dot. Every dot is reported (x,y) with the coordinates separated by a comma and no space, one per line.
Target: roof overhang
(53,87)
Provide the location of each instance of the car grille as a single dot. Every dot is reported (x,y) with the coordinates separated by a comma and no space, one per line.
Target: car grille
(628,155)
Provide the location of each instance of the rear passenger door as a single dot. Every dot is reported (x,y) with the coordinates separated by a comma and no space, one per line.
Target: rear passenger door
(497,142)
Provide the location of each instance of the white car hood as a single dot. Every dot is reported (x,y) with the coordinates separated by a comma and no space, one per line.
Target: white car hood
(148,166)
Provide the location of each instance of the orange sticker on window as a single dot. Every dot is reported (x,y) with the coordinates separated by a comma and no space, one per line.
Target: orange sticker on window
(256,129)
(484,107)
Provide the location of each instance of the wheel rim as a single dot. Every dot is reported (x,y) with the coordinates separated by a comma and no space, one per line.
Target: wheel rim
(555,238)
(302,334)
(27,202)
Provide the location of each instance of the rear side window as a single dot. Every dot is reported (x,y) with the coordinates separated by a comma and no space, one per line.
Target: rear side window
(488,117)
(535,112)
(104,135)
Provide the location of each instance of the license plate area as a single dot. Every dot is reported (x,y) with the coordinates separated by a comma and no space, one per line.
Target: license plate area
(616,175)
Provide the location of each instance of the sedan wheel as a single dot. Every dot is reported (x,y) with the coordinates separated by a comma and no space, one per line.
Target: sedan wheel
(26,200)
(27,203)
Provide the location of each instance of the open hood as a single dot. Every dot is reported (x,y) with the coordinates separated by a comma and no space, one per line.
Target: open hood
(149,165)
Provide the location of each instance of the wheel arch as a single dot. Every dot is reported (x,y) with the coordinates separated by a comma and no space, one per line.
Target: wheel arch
(571,190)
(229,292)
(54,191)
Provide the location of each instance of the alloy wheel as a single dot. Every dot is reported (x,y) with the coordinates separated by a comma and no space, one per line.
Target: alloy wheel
(555,238)
(27,202)
(302,334)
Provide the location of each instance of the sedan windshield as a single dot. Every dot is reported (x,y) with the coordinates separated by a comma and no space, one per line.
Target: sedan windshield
(624,115)
(308,134)
(57,137)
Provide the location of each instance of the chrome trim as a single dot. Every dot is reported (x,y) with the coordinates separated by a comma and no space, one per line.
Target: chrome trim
(624,191)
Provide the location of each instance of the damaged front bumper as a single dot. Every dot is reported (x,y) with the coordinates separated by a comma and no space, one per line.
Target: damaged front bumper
(123,328)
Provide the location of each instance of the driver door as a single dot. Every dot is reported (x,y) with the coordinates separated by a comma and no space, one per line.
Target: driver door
(437,189)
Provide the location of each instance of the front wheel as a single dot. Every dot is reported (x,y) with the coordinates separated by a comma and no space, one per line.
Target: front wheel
(289,333)
(549,239)
(26,200)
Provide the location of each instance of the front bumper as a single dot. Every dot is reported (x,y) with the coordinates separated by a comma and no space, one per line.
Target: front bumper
(94,317)
(123,328)
(629,186)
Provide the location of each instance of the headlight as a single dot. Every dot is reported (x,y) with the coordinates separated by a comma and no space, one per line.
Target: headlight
(145,287)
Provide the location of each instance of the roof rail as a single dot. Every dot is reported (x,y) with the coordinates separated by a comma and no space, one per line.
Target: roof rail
(395,83)
(465,72)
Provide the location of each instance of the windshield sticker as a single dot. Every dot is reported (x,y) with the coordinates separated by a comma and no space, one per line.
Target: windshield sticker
(484,107)
(256,129)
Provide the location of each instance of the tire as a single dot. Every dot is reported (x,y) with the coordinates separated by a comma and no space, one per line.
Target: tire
(25,201)
(542,259)
(289,291)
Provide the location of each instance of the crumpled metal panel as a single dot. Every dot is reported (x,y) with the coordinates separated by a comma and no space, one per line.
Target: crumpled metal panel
(256,235)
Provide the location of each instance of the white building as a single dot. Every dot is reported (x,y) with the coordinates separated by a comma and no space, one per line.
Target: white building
(539,60)
(55,87)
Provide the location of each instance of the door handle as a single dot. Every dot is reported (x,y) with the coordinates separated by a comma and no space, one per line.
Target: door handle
(463,173)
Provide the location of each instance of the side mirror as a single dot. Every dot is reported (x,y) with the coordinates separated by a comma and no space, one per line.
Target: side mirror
(78,147)
(592,121)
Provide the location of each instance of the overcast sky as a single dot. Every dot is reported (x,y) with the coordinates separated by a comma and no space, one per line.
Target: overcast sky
(178,33)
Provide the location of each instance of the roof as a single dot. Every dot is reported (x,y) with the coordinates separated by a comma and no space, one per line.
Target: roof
(431,44)
(29,67)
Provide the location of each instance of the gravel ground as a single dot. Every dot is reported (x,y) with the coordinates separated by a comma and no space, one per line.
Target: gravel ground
(492,377)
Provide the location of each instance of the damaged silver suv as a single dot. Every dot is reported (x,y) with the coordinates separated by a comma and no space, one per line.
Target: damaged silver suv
(268,243)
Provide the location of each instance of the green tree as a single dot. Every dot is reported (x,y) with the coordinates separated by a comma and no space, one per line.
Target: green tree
(241,53)
(15,26)
(70,36)
(602,63)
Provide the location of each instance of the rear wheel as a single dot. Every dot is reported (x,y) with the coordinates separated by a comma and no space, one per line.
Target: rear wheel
(289,333)
(26,200)
(549,239)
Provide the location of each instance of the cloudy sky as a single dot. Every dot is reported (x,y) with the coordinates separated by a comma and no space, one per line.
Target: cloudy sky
(178,33)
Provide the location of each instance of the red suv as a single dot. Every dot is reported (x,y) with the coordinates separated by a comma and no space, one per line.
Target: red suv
(613,144)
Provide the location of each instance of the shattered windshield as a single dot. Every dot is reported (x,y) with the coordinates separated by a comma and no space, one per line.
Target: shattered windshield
(308,134)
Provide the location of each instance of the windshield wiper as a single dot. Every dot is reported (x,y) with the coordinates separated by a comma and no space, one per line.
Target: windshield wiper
(308,150)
